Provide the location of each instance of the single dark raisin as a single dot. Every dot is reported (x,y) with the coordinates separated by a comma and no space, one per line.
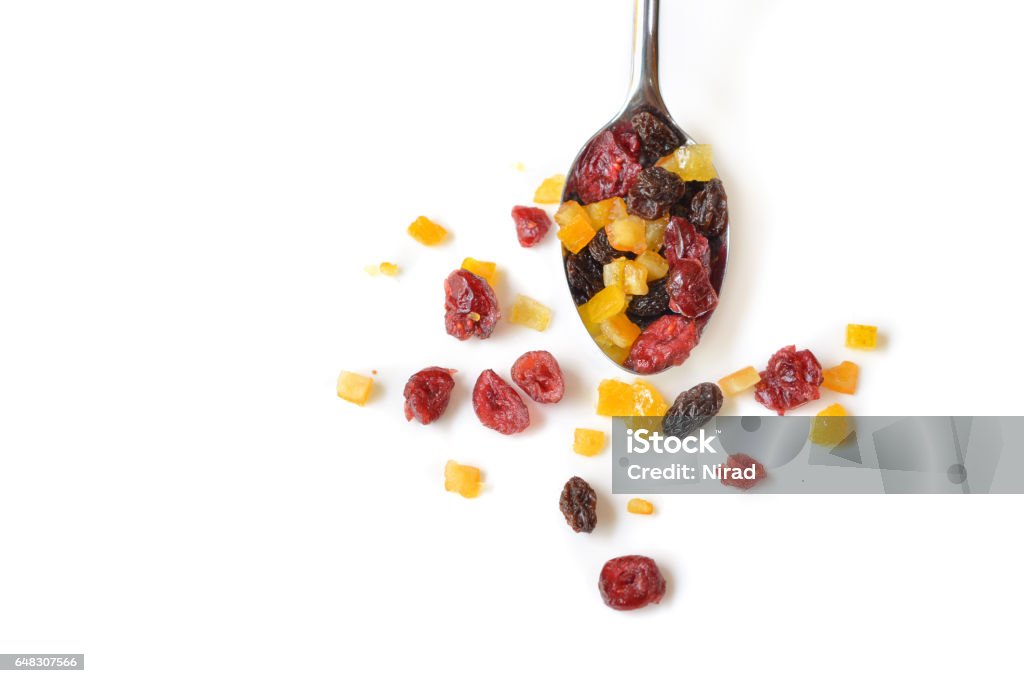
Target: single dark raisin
(791,379)
(531,224)
(666,342)
(427,394)
(653,193)
(602,251)
(692,409)
(682,207)
(657,138)
(652,304)
(578,503)
(498,405)
(640,321)
(537,373)
(631,582)
(608,167)
(709,209)
(743,462)
(683,241)
(584,275)
(689,289)
(470,307)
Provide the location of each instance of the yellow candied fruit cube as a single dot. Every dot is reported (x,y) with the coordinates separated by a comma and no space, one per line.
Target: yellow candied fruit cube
(634,278)
(861,336)
(616,353)
(615,398)
(690,162)
(830,426)
(648,401)
(739,381)
(531,313)
(603,212)
(613,272)
(462,479)
(588,441)
(485,269)
(575,229)
(620,330)
(389,269)
(842,378)
(354,388)
(427,232)
(550,191)
(639,506)
(653,262)
(603,305)
(628,234)
(655,233)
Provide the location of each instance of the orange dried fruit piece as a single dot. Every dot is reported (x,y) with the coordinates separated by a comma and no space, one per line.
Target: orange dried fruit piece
(550,191)
(690,162)
(588,442)
(354,388)
(389,269)
(830,426)
(427,232)
(620,330)
(575,229)
(616,353)
(841,378)
(639,506)
(640,399)
(739,381)
(530,313)
(863,337)
(603,212)
(628,234)
(462,479)
(654,263)
(648,401)
(485,269)
(654,232)
(603,305)
(623,272)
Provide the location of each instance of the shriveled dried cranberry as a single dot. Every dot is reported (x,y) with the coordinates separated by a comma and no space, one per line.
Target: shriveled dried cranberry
(631,582)
(791,379)
(427,394)
(683,241)
(657,138)
(537,373)
(584,275)
(743,462)
(653,304)
(470,307)
(689,289)
(578,504)
(498,405)
(653,193)
(602,251)
(709,209)
(608,166)
(692,409)
(666,342)
(531,224)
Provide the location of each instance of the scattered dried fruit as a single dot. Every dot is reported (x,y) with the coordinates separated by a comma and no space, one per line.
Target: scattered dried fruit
(689,290)
(578,504)
(498,405)
(841,378)
(692,409)
(537,373)
(485,269)
(354,388)
(530,313)
(739,381)
(830,427)
(470,307)
(791,379)
(739,479)
(532,224)
(639,506)
(863,337)
(427,394)
(639,399)
(654,193)
(427,232)
(550,191)
(631,582)
(664,343)
(576,230)
(462,479)
(588,442)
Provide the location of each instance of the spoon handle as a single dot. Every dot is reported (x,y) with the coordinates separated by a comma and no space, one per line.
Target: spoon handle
(643,82)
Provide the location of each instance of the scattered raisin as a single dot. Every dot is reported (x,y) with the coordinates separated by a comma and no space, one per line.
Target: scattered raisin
(608,166)
(651,305)
(531,224)
(537,373)
(578,503)
(427,394)
(692,409)
(602,251)
(683,241)
(470,307)
(666,342)
(657,138)
(709,209)
(653,193)
(631,582)
(498,405)
(791,379)
(689,289)
(742,461)
(584,275)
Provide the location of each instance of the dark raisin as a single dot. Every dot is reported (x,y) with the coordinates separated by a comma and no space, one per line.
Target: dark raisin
(640,321)
(653,193)
(531,224)
(602,251)
(578,503)
(652,304)
(608,166)
(631,582)
(666,342)
(791,379)
(683,241)
(427,393)
(498,405)
(692,409)
(657,138)
(537,373)
(689,289)
(742,461)
(584,275)
(682,207)
(470,307)
(709,209)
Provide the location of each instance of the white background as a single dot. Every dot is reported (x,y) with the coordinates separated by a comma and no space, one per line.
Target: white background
(189,192)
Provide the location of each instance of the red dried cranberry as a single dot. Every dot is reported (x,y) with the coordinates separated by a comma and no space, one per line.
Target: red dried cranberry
(498,405)
(631,582)
(689,289)
(683,241)
(742,461)
(538,375)
(791,379)
(608,166)
(470,307)
(666,342)
(531,224)
(427,393)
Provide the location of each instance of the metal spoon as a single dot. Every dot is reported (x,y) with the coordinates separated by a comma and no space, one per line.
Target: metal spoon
(644,95)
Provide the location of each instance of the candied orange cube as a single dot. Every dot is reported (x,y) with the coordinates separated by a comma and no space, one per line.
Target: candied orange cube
(628,234)
(842,378)
(639,506)
(830,426)
(613,272)
(462,479)
(616,353)
(389,269)
(654,232)
(550,191)
(575,229)
(639,399)
(648,401)
(653,262)
(588,441)
(739,381)
(354,388)
(603,305)
(485,269)
(690,162)
(427,232)
(620,330)
(531,313)
(634,279)
(603,212)
(863,337)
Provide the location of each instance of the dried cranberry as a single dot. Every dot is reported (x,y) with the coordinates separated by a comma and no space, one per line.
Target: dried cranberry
(653,304)
(683,241)
(584,275)
(498,405)
(427,393)
(692,409)
(578,504)
(657,138)
(689,289)
(742,461)
(654,193)
(608,166)
(531,224)
(709,209)
(631,582)
(666,342)
(791,379)
(538,375)
(602,251)
(470,307)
